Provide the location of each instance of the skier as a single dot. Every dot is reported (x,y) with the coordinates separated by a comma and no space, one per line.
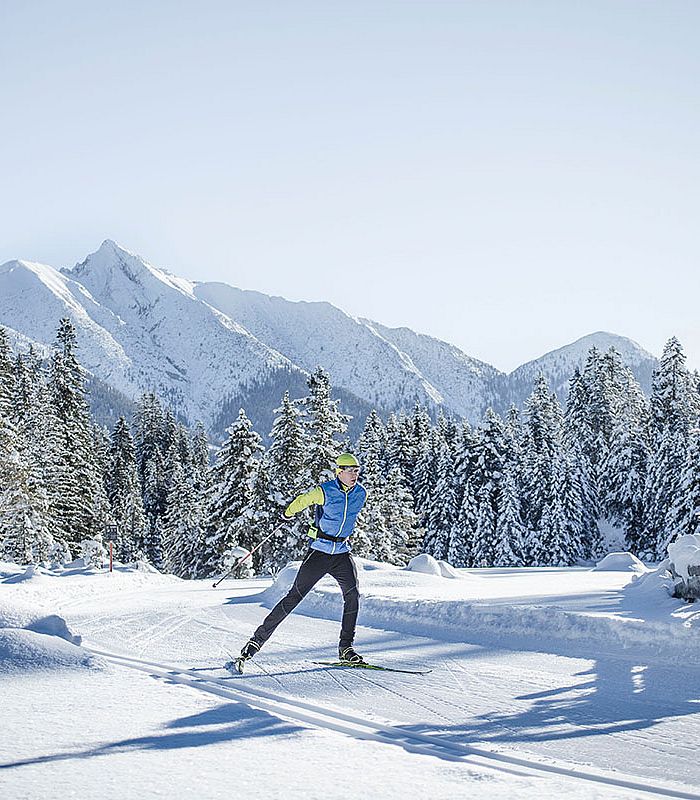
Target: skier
(337,504)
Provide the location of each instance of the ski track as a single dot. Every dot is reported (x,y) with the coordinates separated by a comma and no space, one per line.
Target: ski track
(463,707)
(353,725)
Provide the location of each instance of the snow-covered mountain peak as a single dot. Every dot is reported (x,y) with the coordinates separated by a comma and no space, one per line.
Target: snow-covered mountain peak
(112,267)
(20,278)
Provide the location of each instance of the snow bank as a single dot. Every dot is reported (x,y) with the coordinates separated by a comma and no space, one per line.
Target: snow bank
(430,566)
(567,610)
(24,650)
(16,614)
(620,562)
(32,638)
(684,553)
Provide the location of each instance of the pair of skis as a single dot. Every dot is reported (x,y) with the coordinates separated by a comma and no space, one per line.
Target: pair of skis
(236,666)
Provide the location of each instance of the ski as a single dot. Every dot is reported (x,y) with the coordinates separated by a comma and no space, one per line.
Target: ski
(364,665)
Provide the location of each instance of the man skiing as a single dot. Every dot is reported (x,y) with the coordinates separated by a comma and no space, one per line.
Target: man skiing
(336,506)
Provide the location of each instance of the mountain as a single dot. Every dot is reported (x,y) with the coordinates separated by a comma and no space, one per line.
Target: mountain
(209,348)
(558,366)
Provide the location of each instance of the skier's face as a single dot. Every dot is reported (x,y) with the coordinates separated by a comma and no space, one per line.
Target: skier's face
(349,475)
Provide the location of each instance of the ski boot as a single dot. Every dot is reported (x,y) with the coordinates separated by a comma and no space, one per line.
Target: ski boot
(347,654)
(249,649)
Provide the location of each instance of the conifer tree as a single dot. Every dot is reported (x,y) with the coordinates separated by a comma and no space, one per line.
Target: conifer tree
(404,533)
(233,491)
(183,527)
(77,498)
(287,475)
(125,496)
(442,508)
(485,540)
(674,407)
(684,517)
(511,534)
(462,535)
(322,421)
(542,434)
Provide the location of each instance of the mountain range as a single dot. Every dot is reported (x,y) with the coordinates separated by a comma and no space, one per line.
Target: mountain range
(208,348)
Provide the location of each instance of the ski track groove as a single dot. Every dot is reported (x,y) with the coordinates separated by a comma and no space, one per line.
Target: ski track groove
(337,720)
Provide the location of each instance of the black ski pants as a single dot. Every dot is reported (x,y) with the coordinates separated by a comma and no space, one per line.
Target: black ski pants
(315,565)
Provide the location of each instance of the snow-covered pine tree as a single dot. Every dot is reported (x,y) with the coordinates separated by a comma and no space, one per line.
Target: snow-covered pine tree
(624,472)
(231,506)
(183,530)
(485,541)
(7,376)
(465,458)
(125,496)
(442,508)
(321,420)
(460,552)
(287,475)
(372,537)
(399,451)
(200,458)
(24,533)
(542,434)
(684,517)
(421,428)
(424,478)
(491,449)
(511,534)
(674,408)
(404,535)
(148,442)
(77,498)
(561,528)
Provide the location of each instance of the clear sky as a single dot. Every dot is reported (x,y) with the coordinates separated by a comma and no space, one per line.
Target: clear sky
(507,176)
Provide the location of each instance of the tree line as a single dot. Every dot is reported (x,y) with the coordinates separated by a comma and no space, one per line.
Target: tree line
(532,488)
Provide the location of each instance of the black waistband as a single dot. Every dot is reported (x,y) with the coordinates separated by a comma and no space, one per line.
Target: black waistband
(322,535)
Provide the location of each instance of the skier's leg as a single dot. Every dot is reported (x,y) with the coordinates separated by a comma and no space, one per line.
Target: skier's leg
(312,569)
(344,571)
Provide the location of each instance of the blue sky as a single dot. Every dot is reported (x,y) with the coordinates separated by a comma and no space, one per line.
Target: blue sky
(507,176)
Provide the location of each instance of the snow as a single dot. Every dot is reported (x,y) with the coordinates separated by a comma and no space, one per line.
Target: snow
(431,566)
(620,562)
(683,553)
(544,683)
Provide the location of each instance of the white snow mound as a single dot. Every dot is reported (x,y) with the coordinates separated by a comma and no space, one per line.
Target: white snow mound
(24,650)
(431,566)
(683,553)
(620,562)
(14,614)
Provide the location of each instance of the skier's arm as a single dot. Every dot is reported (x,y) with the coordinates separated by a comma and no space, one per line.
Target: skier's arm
(312,498)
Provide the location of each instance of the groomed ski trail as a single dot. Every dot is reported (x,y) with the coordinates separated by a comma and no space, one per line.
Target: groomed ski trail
(352,725)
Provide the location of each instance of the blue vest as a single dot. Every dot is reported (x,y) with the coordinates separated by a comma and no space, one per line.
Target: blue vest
(337,515)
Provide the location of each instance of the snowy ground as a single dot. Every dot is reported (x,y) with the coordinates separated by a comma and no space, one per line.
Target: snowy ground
(545,683)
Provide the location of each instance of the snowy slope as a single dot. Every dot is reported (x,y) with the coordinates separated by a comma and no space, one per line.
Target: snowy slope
(468,386)
(356,356)
(33,297)
(558,366)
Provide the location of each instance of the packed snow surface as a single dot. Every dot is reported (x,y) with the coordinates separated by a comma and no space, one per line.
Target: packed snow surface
(573,683)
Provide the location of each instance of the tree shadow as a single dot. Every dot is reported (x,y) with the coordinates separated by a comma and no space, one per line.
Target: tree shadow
(221,724)
(613,696)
